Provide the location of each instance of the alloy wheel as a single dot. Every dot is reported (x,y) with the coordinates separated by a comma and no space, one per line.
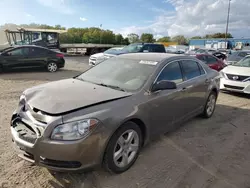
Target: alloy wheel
(126,148)
(52,67)
(211,104)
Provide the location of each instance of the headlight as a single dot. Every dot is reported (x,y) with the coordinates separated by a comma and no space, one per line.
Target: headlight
(222,74)
(74,130)
(22,99)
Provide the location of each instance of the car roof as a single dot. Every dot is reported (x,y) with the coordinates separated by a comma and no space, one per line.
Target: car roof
(159,57)
(144,43)
(33,46)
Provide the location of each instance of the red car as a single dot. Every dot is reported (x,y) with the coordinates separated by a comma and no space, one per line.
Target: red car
(212,61)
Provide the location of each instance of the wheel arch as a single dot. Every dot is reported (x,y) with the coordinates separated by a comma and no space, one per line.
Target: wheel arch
(135,120)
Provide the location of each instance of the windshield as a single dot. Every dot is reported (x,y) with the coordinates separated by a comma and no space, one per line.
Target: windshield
(118,73)
(243,63)
(113,51)
(132,48)
(200,51)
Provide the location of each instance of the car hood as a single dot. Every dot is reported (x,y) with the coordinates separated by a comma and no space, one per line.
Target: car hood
(63,96)
(96,55)
(244,71)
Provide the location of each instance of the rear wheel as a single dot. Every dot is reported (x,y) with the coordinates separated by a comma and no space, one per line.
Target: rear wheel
(210,105)
(52,67)
(123,148)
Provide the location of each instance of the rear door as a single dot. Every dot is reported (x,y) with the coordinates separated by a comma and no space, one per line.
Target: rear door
(38,57)
(195,85)
(15,58)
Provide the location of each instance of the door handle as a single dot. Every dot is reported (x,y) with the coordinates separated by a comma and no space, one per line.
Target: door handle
(186,88)
(207,81)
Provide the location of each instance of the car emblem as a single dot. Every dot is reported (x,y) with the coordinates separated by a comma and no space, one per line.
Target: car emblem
(235,77)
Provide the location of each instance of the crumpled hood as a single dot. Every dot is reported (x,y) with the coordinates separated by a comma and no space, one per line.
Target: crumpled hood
(69,94)
(243,71)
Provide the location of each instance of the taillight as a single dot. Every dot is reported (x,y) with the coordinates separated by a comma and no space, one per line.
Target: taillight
(60,55)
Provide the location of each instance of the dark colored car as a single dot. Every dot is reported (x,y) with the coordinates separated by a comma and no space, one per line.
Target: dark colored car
(212,61)
(109,112)
(220,55)
(143,47)
(30,56)
(134,48)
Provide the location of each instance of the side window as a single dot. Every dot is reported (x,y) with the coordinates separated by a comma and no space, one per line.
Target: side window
(201,69)
(146,48)
(202,58)
(211,60)
(191,69)
(158,48)
(171,72)
(242,54)
(19,52)
(37,51)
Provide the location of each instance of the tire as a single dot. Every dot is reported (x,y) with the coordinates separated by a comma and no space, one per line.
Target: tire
(1,68)
(131,148)
(52,67)
(210,105)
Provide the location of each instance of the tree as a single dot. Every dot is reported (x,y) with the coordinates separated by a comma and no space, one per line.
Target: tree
(164,39)
(196,37)
(125,41)
(147,37)
(218,35)
(180,39)
(132,37)
(118,39)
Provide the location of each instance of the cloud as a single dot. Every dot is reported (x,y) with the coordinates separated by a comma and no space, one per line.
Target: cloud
(197,17)
(83,19)
(61,6)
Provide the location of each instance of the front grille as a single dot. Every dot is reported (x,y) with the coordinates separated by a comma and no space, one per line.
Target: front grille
(60,164)
(237,77)
(25,131)
(234,87)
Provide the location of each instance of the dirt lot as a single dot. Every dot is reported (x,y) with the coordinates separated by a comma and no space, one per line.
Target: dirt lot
(201,154)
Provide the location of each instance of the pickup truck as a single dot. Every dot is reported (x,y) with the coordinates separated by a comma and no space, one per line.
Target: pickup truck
(132,48)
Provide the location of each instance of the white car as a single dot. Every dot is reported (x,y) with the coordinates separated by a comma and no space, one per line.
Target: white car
(236,77)
(99,57)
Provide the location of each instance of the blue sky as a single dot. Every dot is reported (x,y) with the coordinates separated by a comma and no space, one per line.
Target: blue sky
(160,17)
(112,14)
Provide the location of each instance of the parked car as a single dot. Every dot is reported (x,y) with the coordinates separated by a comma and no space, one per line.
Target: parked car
(205,51)
(220,55)
(106,114)
(30,56)
(211,61)
(97,58)
(136,48)
(236,77)
(236,56)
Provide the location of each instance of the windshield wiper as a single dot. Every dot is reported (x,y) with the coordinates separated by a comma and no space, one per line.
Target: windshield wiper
(111,86)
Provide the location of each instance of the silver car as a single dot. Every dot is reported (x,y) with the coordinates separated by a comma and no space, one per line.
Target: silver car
(236,56)
(108,113)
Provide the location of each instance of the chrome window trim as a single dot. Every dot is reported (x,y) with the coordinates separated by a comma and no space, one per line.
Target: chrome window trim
(180,68)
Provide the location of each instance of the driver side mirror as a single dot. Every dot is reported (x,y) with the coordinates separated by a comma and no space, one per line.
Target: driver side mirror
(163,85)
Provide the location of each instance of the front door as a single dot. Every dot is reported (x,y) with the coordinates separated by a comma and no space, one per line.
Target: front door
(166,105)
(15,58)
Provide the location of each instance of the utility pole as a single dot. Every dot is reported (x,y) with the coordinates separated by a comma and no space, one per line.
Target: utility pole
(228,13)
(101,34)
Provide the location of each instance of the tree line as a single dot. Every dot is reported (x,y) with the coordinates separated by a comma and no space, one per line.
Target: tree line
(100,36)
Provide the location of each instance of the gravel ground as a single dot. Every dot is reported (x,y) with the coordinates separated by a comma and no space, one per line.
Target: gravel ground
(201,154)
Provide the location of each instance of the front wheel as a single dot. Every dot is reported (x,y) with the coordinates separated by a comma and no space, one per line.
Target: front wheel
(210,105)
(123,148)
(52,67)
